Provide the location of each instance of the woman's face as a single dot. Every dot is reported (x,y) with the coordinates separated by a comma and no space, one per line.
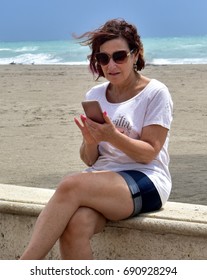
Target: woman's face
(117,73)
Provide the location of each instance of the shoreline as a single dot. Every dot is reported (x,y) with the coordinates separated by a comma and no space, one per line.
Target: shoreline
(40,142)
(85,64)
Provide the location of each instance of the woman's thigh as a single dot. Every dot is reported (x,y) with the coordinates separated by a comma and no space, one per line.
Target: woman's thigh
(105,191)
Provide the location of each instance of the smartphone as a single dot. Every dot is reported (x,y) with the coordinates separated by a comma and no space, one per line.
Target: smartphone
(93,111)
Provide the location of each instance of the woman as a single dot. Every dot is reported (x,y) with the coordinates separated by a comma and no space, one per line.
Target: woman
(127,155)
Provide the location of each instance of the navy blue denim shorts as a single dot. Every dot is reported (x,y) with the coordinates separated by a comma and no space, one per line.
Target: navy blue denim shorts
(144,193)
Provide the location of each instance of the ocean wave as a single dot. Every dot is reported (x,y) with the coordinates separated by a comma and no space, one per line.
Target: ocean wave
(29,58)
(20,50)
(158,51)
(169,61)
(49,59)
(5,49)
(26,49)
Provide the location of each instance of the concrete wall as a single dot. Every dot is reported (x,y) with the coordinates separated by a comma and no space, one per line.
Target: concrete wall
(178,231)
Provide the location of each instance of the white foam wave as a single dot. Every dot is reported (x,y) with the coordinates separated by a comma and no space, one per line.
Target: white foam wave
(5,49)
(30,59)
(20,50)
(163,61)
(27,49)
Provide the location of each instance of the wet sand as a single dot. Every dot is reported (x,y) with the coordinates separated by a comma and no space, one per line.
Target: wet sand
(39,142)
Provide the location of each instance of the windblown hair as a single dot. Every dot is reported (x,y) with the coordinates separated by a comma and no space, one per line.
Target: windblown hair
(113,29)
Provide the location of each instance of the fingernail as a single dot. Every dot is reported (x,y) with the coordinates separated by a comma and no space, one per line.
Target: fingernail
(105,113)
(83,118)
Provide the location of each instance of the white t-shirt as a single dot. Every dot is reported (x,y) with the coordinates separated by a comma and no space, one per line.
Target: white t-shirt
(153,105)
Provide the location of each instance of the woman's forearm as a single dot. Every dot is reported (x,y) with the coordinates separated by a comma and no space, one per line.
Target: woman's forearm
(145,149)
(89,153)
(139,151)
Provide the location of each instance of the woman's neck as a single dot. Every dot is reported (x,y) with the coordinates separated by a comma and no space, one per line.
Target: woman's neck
(125,91)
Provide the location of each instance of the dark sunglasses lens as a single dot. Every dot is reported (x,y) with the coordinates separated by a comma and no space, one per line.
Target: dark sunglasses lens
(102,58)
(119,56)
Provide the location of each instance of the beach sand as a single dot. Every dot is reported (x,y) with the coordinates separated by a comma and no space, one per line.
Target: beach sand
(40,142)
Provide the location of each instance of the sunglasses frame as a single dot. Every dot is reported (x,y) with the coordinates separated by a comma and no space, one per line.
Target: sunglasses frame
(109,56)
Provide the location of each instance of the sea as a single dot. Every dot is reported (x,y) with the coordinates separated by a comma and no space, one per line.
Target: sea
(158,51)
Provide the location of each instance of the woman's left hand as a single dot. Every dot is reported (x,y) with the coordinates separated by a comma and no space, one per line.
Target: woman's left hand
(101,132)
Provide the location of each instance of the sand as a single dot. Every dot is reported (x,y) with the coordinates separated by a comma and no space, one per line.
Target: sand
(39,141)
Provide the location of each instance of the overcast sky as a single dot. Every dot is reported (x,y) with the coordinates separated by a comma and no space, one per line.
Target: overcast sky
(31,20)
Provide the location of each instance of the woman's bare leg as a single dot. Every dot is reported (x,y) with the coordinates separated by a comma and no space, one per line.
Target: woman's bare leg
(105,192)
(75,240)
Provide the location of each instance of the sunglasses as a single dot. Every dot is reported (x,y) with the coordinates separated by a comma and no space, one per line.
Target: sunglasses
(118,57)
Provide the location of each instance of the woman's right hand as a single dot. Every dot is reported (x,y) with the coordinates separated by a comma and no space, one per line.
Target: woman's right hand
(89,148)
(88,137)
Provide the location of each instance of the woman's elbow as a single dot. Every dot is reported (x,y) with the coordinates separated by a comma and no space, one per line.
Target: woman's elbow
(89,161)
(146,158)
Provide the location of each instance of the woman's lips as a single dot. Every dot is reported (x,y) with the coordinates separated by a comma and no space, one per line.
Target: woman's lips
(114,74)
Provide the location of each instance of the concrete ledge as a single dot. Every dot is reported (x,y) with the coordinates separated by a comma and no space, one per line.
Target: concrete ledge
(178,231)
(23,200)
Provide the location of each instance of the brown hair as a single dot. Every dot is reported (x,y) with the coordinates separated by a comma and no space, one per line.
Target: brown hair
(112,29)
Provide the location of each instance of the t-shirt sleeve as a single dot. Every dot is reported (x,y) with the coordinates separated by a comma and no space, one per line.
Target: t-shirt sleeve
(160,109)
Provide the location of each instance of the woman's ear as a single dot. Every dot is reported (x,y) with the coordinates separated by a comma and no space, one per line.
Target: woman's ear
(136,56)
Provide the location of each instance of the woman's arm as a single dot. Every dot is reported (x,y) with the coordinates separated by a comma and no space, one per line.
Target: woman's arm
(143,150)
(146,148)
(88,153)
(89,147)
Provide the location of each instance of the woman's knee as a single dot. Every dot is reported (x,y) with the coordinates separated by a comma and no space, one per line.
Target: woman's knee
(67,188)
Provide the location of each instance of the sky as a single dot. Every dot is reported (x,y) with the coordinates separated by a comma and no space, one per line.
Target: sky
(42,20)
